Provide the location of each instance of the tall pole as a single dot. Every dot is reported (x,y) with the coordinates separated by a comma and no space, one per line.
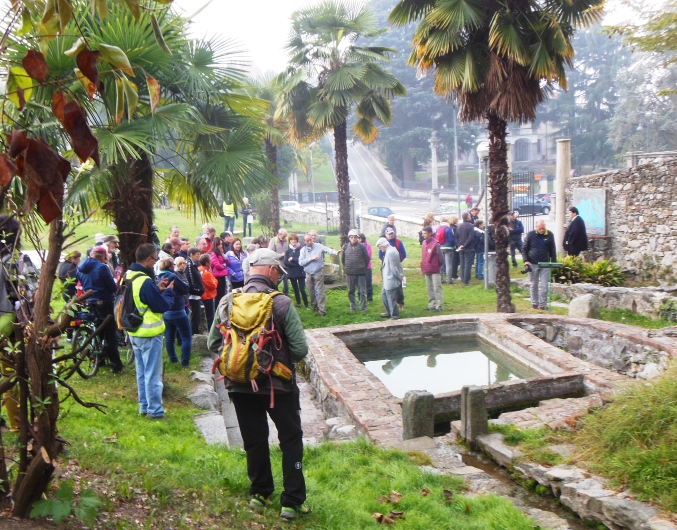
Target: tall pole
(312,175)
(458,199)
(563,171)
(486,225)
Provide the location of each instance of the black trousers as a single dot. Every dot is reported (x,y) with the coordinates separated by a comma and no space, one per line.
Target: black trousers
(109,333)
(299,287)
(251,410)
(196,313)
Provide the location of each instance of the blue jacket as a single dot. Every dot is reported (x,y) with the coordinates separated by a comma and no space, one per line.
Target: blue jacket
(95,275)
(180,289)
(150,294)
(516,230)
(234,266)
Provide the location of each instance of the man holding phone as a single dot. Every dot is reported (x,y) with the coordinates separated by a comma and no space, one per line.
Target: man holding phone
(152,300)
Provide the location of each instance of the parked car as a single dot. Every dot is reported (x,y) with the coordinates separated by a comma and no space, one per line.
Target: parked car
(526,205)
(380,211)
(289,204)
(547,197)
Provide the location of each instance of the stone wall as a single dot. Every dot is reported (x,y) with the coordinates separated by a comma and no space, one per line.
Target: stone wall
(641,217)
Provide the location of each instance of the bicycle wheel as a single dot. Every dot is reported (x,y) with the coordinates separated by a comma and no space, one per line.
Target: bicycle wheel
(125,347)
(90,355)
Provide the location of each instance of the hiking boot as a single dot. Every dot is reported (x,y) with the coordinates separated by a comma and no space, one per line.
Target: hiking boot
(292,512)
(259,502)
(385,315)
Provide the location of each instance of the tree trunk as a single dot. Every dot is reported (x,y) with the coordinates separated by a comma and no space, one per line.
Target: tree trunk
(271,153)
(342,179)
(498,182)
(132,206)
(43,389)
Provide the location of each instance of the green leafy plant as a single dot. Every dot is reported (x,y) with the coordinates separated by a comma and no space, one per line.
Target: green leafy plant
(84,508)
(668,310)
(604,273)
(571,271)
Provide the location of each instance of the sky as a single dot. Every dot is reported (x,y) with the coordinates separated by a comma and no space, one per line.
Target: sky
(260,26)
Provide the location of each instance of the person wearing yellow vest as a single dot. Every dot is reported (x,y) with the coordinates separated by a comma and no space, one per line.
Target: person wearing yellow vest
(152,300)
(230,214)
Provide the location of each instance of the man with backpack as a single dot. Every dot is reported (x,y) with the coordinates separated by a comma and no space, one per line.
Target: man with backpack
(93,273)
(355,261)
(273,390)
(445,237)
(151,300)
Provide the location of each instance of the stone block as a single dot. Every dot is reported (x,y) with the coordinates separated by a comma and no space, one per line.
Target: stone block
(203,396)
(627,513)
(199,345)
(474,416)
(417,414)
(493,445)
(658,523)
(586,306)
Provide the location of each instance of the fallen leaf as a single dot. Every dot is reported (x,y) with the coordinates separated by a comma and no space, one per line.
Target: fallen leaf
(382,519)
(467,508)
(383,500)
(35,65)
(394,497)
(448,495)
(396,515)
(425,492)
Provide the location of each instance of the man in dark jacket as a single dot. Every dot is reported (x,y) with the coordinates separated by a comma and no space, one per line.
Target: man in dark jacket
(355,261)
(251,407)
(516,229)
(195,288)
(465,243)
(68,271)
(94,274)
(575,237)
(539,247)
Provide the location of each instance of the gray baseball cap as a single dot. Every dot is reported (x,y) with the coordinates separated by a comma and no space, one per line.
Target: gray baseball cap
(264,256)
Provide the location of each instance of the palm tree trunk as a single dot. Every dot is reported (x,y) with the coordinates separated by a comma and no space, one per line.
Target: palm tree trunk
(498,183)
(271,153)
(132,206)
(342,179)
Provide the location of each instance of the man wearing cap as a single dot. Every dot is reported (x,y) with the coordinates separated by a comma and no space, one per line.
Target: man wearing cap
(94,274)
(392,273)
(311,259)
(279,245)
(355,261)
(391,237)
(252,407)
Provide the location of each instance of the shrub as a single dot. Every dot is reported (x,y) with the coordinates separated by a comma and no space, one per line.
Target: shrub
(668,310)
(571,271)
(603,273)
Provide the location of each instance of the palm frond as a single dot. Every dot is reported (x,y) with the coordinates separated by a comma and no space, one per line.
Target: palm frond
(344,77)
(457,14)
(365,130)
(506,37)
(407,11)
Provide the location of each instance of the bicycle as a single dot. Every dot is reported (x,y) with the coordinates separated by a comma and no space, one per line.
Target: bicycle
(91,357)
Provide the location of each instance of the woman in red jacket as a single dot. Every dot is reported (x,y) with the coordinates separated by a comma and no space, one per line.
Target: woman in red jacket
(211,285)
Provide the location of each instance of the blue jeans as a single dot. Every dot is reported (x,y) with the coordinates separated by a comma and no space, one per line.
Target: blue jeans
(148,359)
(479,268)
(229,224)
(177,321)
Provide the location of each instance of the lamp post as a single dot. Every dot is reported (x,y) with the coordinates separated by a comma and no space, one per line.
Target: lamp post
(458,199)
(312,175)
(483,154)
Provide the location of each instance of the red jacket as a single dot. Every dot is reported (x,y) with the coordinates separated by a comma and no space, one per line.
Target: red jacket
(431,262)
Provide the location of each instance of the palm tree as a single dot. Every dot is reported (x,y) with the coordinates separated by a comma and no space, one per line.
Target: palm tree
(181,117)
(499,60)
(328,74)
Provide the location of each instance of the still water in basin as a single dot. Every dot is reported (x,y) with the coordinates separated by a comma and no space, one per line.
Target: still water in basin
(438,365)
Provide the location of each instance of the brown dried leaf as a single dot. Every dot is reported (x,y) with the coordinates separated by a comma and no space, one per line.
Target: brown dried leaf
(17,143)
(86,61)
(58,102)
(7,170)
(394,497)
(425,492)
(153,92)
(467,508)
(382,519)
(448,495)
(396,515)
(89,87)
(383,500)
(65,13)
(35,65)
(45,173)
(83,141)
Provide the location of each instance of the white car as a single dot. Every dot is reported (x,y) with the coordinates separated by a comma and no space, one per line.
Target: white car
(290,204)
